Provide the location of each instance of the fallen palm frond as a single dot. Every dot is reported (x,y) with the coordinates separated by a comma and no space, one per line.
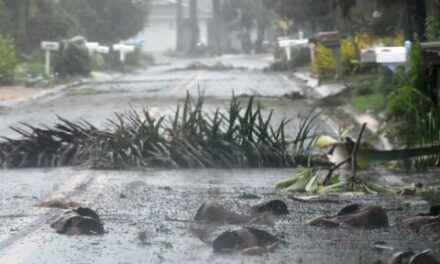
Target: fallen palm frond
(238,137)
(307,180)
(368,156)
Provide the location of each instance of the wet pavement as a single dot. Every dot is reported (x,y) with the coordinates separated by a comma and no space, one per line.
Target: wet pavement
(158,204)
(146,213)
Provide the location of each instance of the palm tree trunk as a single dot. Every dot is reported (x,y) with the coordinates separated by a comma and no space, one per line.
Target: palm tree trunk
(261,34)
(22,8)
(194,38)
(179,27)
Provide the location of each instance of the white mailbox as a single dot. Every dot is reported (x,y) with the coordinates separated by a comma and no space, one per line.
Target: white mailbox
(123,50)
(287,43)
(384,55)
(293,43)
(92,46)
(391,55)
(50,45)
(103,49)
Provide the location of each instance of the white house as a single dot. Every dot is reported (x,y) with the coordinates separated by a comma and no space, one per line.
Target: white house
(161,32)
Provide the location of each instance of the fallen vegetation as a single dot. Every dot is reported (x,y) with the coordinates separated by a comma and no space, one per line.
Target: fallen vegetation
(235,138)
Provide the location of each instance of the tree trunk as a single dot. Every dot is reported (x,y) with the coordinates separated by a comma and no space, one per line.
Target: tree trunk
(194,38)
(216,10)
(408,21)
(261,34)
(419,15)
(22,15)
(179,26)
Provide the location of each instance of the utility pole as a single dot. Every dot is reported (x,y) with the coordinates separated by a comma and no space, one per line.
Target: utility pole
(194,38)
(179,26)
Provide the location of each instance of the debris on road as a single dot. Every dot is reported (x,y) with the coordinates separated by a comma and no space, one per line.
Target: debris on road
(214,212)
(60,203)
(355,215)
(191,138)
(247,240)
(408,257)
(431,219)
(79,221)
(276,207)
(215,66)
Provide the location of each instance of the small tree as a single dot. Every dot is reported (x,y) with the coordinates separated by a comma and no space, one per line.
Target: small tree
(8,60)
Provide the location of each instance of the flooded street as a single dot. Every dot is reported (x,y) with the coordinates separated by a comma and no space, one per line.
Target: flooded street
(158,205)
(147,214)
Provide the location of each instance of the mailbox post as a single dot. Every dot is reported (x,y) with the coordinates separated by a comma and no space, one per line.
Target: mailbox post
(287,43)
(49,46)
(123,50)
(332,40)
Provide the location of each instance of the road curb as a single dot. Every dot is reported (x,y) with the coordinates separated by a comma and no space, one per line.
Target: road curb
(55,90)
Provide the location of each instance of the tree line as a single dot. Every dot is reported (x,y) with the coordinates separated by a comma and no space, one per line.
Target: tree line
(28,22)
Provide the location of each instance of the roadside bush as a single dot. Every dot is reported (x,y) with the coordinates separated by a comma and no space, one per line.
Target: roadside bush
(8,60)
(325,62)
(369,87)
(413,110)
(74,59)
(433,28)
(98,60)
(27,73)
(139,58)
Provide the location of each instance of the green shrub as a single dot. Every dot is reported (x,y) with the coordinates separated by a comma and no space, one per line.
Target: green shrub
(369,87)
(35,69)
(23,71)
(74,59)
(433,28)
(325,62)
(139,58)
(368,102)
(8,60)
(413,110)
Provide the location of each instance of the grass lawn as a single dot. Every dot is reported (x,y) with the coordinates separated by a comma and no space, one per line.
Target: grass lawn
(373,102)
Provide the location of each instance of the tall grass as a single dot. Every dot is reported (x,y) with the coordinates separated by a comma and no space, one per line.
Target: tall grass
(239,136)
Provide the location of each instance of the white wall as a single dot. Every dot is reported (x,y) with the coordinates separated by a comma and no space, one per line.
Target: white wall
(159,35)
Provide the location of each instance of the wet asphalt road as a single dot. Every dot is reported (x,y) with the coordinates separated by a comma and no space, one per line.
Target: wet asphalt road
(157,202)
